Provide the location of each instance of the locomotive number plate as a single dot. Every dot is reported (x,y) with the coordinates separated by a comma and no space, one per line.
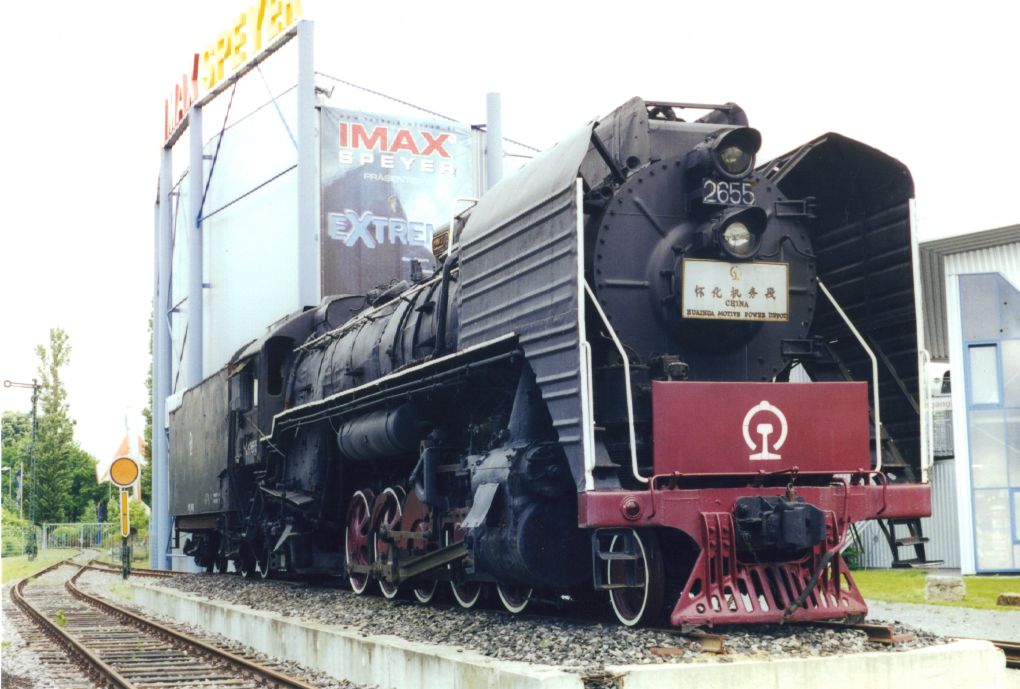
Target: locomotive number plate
(721,193)
(717,290)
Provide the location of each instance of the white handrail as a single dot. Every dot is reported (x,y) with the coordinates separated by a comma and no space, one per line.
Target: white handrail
(626,383)
(584,350)
(874,373)
(925,414)
(454,214)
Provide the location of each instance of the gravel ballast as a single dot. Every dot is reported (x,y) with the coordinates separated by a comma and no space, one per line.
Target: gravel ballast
(576,645)
(953,621)
(28,665)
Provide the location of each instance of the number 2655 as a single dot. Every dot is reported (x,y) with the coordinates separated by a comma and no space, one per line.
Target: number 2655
(727,193)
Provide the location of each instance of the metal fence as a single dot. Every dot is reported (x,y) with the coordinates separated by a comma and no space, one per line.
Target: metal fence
(19,540)
(79,535)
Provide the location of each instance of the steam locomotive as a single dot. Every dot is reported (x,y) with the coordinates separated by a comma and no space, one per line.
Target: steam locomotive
(643,365)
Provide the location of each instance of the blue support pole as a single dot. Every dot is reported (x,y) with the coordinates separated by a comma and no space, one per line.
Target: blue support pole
(193,374)
(161,352)
(309,283)
(493,140)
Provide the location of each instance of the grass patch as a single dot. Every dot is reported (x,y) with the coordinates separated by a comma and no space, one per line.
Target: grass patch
(19,566)
(907,586)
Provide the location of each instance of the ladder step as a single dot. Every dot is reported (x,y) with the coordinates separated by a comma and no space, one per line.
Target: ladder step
(917,563)
(911,540)
(609,557)
(615,587)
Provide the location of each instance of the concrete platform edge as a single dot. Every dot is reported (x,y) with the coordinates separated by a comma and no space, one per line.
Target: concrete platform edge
(386,661)
(960,664)
(395,663)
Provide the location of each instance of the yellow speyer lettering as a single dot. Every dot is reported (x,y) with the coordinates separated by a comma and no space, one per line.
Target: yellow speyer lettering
(237,52)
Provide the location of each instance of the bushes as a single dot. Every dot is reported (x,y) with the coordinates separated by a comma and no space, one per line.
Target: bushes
(17,540)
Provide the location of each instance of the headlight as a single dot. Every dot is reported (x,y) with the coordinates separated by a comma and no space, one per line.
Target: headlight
(738,239)
(735,160)
(739,232)
(733,152)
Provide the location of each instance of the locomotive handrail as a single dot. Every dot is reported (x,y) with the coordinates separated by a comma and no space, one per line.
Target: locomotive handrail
(874,372)
(925,414)
(626,382)
(310,411)
(453,219)
(365,315)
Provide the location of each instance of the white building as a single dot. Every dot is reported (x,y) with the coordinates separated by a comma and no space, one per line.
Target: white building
(972,304)
(971,286)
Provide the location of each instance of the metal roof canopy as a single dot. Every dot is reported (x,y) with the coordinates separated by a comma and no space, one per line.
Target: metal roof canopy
(933,274)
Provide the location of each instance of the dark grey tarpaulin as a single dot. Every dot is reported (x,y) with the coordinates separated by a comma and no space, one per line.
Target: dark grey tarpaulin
(519,274)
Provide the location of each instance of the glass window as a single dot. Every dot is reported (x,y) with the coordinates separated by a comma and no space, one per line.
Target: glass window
(1011,372)
(1016,515)
(979,306)
(984,375)
(988,448)
(1013,446)
(992,530)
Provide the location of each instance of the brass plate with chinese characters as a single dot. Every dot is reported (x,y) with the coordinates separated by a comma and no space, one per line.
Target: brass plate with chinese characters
(718,290)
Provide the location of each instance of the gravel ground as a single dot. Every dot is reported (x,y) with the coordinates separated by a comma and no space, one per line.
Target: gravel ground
(20,664)
(951,621)
(580,646)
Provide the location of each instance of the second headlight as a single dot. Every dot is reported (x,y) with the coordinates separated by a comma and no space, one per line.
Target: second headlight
(739,232)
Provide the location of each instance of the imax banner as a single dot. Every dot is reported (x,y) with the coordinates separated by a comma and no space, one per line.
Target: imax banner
(387,184)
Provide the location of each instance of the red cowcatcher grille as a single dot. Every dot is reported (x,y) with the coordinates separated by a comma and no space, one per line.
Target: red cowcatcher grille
(723,590)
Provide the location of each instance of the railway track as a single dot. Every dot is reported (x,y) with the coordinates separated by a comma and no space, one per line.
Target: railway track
(101,566)
(119,648)
(1012,651)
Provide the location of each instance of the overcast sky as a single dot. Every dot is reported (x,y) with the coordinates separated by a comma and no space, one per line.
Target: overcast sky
(82,118)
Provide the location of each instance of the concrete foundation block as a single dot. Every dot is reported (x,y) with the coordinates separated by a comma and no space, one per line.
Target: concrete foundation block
(1008,599)
(389,662)
(944,587)
(963,664)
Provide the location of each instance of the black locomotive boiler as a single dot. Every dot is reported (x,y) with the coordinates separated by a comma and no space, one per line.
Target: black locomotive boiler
(594,390)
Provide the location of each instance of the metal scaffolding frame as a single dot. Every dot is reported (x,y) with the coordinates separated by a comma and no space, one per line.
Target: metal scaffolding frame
(308,274)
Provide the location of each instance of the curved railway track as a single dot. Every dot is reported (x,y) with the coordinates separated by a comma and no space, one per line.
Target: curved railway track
(119,648)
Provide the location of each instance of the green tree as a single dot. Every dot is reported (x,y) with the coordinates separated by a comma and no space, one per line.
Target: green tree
(84,489)
(51,484)
(16,436)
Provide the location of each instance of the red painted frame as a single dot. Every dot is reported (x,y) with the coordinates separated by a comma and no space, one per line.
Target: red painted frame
(722,588)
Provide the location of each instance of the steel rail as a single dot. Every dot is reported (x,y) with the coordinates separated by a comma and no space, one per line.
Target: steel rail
(100,566)
(81,652)
(157,628)
(53,630)
(1012,651)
